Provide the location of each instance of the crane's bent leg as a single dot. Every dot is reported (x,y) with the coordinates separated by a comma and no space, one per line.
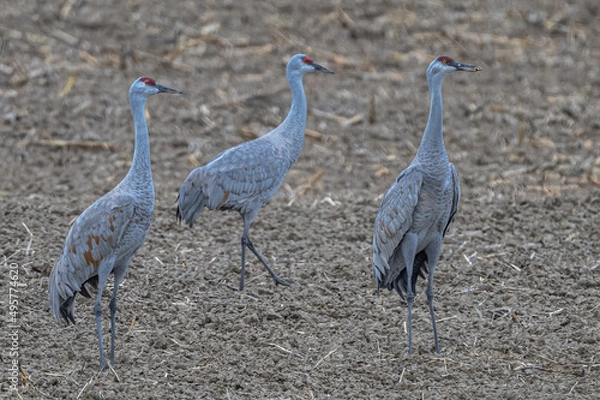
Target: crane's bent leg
(409,250)
(433,254)
(247,218)
(103,272)
(119,273)
(247,243)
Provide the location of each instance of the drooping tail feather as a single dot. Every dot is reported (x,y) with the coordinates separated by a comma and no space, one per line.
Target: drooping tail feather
(191,199)
(61,307)
(53,296)
(93,283)
(400,284)
(66,309)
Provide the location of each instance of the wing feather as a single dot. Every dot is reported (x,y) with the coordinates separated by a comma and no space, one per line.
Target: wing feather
(91,241)
(394,219)
(251,168)
(455,198)
(248,173)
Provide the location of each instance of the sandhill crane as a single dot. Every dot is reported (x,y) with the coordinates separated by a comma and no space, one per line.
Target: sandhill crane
(244,177)
(108,233)
(417,210)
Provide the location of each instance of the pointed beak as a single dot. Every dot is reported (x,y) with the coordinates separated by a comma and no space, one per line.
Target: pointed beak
(321,68)
(466,67)
(164,89)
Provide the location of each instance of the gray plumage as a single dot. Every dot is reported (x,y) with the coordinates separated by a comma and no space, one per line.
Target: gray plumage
(417,210)
(244,177)
(108,233)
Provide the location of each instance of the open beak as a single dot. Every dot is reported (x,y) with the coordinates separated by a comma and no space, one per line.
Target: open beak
(164,89)
(321,68)
(466,67)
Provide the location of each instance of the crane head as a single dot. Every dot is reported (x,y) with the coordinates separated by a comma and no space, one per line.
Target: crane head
(304,64)
(447,64)
(148,86)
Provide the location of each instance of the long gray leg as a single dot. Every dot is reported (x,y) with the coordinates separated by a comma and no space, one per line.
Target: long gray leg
(409,250)
(276,278)
(433,252)
(243,269)
(247,243)
(103,272)
(119,273)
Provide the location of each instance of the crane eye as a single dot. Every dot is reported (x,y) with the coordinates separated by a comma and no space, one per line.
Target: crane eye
(307,60)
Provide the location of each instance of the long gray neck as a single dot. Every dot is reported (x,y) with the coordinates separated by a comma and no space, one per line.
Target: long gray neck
(432,149)
(140,171)
(293,126)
